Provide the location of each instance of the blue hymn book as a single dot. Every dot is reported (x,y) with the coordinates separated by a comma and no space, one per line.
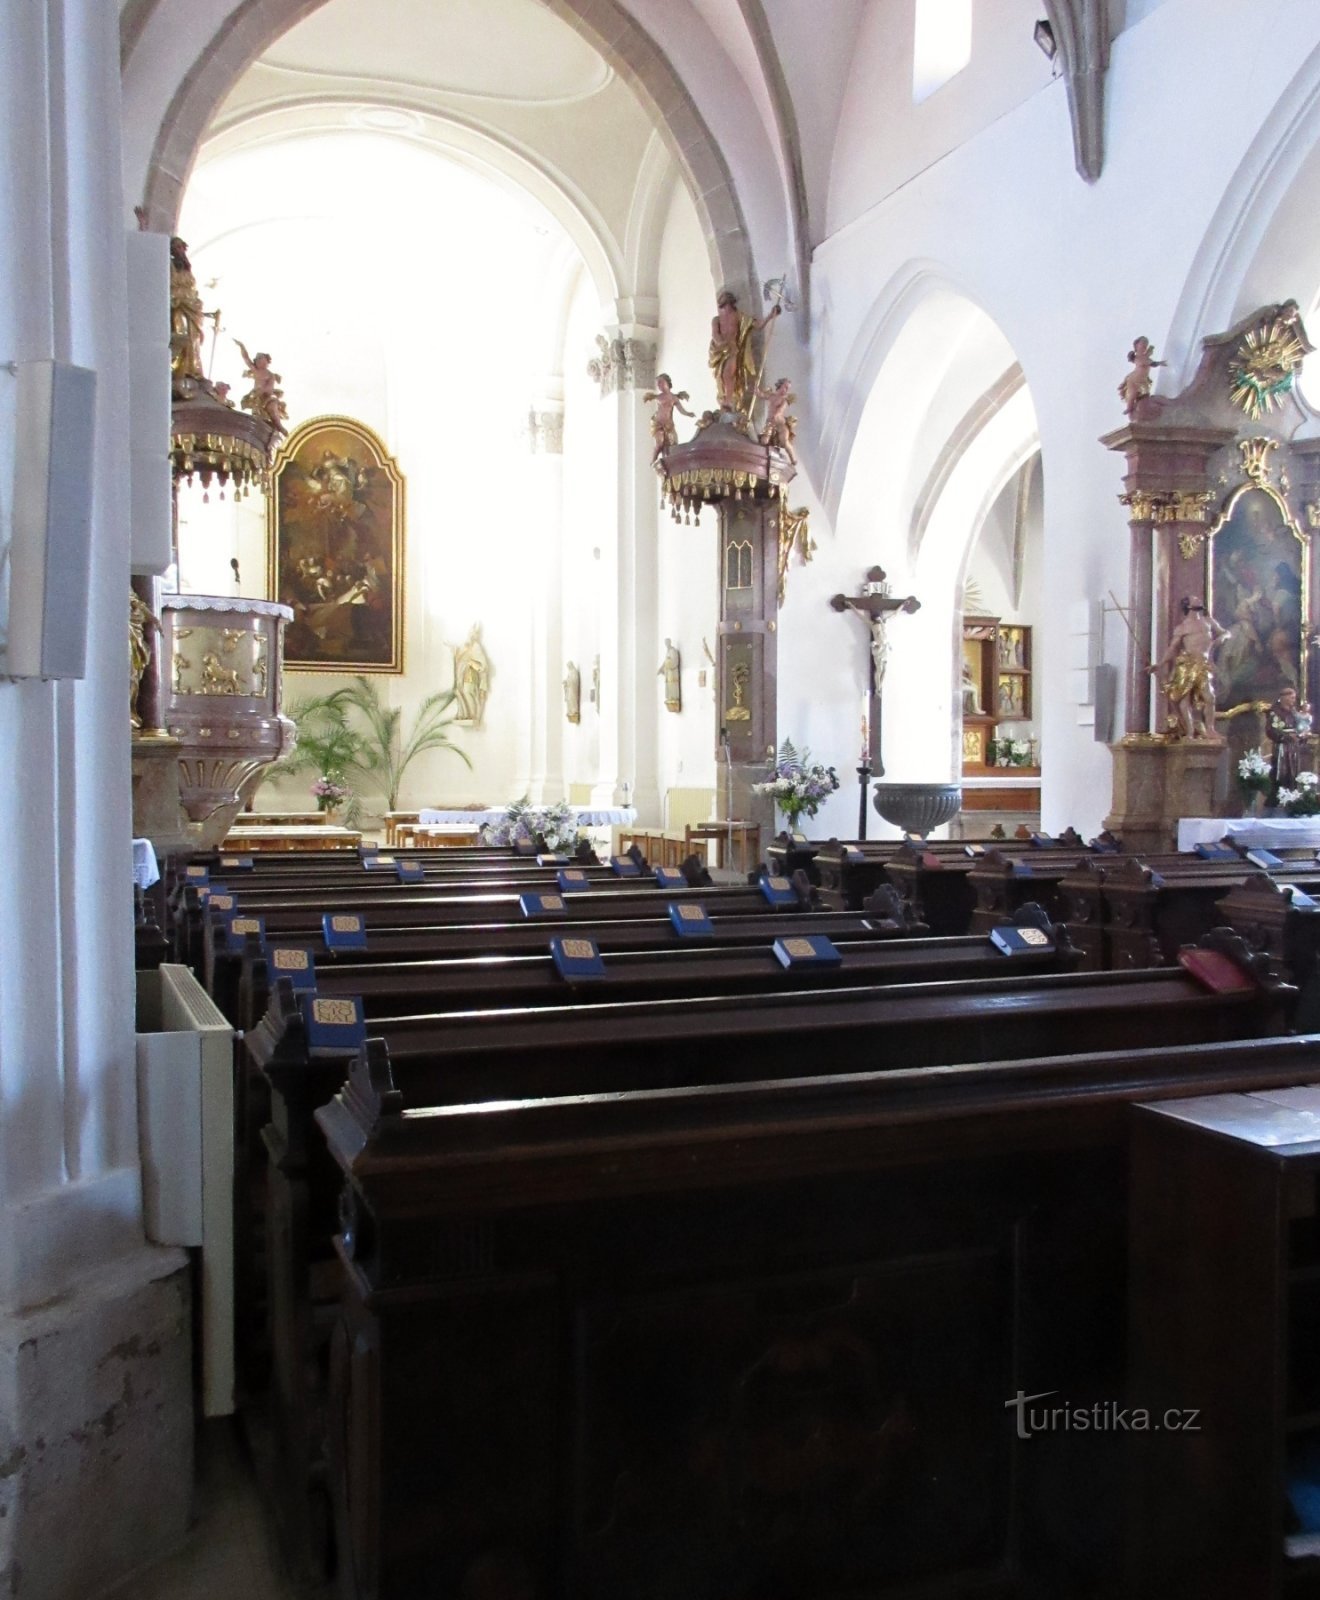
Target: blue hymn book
(344,930)
(334,1025)
(576,957)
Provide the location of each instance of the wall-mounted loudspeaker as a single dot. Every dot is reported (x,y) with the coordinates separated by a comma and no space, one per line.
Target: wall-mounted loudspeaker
(51,530)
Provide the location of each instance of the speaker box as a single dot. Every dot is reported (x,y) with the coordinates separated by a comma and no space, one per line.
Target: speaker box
(49,551)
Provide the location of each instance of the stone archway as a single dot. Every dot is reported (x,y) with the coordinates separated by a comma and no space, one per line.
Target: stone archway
(218,61)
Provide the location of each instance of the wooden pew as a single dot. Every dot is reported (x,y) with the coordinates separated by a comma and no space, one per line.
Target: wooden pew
(619,935)
(756,1339)
(1151,910)
(301,922)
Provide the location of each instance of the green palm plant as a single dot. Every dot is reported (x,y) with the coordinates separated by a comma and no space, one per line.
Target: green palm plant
(366,736)
(385,753)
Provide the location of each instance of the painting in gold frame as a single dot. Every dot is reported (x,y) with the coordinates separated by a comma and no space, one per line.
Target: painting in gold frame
(336,509)
(1259,582)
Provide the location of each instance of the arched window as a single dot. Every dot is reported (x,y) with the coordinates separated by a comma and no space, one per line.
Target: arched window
(941,44)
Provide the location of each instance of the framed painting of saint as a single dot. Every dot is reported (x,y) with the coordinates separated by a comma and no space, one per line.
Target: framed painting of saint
(1258,584)
(336,548)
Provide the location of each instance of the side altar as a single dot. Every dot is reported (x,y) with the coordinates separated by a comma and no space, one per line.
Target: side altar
(1223,502)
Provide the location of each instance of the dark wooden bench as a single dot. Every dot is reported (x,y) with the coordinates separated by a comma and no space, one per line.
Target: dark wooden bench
(753,1339)
(466,1056)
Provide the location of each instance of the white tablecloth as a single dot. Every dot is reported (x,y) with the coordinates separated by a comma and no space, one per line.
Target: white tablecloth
(145,868)
(584,816)
(1250,833)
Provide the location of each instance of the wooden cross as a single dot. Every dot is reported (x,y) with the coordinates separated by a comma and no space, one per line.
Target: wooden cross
(875,604)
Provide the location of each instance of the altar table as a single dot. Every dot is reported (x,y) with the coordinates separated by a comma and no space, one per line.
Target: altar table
(313,837)
(584,816)
(1250,833)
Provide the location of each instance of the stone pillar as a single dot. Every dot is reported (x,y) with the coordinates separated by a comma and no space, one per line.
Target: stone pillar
(94,1330)
(630,653)
(545,437)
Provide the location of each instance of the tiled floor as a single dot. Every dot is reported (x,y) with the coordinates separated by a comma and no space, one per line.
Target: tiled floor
(230,1550)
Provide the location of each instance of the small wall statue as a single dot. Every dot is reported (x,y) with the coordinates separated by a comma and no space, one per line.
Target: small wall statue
(1139,382)
(671,671)
(471,679)
(1190,686)
(573,693)
(666,402)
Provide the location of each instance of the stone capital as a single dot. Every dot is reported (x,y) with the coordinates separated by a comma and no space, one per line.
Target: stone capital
(622,362)
(545,431)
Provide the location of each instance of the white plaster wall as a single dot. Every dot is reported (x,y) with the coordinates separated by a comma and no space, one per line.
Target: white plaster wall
(427,343)
(86,1416)
(884,140)
(1064,269)
(589,538)
(688,602)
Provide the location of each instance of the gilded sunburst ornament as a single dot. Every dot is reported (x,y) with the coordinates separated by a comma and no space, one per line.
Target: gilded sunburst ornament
(1265,366)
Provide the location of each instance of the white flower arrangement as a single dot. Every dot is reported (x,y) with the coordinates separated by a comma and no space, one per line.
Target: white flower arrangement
(1304,799)
(799,784)
(1254,772)
(556,825)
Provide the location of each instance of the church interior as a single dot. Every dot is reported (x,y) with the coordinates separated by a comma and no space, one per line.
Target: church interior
(678,954)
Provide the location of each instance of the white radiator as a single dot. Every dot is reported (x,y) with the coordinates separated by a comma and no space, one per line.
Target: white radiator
(185,1075)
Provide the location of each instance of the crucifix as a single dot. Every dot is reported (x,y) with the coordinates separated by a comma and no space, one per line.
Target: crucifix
(875,604)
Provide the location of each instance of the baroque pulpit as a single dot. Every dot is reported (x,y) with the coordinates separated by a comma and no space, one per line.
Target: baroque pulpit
(742,470)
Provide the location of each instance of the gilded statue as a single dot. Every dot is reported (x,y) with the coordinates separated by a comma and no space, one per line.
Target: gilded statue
(141,624)
(794,534)
(731,361)
(1190,686)
(573,693)
(265,399)
(780,428)
(471,679)
(671,672)
(666,402)
(1140,381)
(186,321)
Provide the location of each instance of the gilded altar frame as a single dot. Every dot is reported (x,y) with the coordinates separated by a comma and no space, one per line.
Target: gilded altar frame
(335,531)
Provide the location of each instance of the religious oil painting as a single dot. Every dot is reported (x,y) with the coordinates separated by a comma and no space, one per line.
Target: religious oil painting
(336,548)
(1258,584)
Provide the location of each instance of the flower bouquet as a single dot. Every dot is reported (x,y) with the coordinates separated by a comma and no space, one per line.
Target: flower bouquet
(1304,799)
(556,825)
(330,792)
(799,784)
(1254,778)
